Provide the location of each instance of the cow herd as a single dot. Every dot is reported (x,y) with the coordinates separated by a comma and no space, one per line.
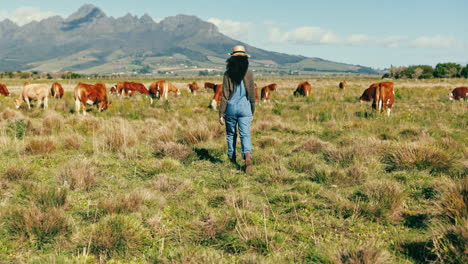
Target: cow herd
(381,94)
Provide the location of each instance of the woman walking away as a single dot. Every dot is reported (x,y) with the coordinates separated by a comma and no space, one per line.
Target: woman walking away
(238,105)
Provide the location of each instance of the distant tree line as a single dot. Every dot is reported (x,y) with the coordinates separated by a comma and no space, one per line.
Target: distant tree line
(441,70)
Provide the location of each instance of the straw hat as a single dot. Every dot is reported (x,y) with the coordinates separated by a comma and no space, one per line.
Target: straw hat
(239,50)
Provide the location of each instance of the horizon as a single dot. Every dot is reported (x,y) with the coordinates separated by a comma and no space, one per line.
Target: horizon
(336,41)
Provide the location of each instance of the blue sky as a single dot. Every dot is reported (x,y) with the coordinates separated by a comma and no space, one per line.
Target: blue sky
(365,32)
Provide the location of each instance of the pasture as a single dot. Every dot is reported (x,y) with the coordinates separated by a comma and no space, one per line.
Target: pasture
(333,182)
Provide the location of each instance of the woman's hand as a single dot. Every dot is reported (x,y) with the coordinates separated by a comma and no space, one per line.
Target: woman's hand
(221,121)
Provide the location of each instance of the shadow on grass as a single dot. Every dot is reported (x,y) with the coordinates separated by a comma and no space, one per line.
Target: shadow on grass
(204,154)
(419,251)
(364,114)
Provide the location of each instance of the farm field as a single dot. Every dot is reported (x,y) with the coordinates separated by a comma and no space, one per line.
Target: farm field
(333,181)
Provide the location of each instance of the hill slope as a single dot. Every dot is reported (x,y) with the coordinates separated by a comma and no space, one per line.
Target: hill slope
(91,42)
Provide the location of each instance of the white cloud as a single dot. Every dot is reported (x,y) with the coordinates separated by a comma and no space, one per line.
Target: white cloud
(358,39)
(244,31)
(438,42)
(24,15)
(304,36)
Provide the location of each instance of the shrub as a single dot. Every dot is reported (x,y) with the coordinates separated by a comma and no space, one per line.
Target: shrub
(117,236)
(267,142)
(196,134)
(118,135)
(52,122)
(344,157)
(72,142)
(314,146)
(362,255)
(16,172)
(414,157)
(40,146)
(451,243)
(453,202)
(121,204)
(381,199)
(171,149)
(39,226)
(78,174)
(18,128)
(49,196)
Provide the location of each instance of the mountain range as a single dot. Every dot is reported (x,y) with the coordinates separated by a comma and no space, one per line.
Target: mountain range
(89,41)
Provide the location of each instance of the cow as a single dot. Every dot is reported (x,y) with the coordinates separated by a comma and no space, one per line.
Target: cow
(368,94)
(209,85)
(384,97)
(218,90)
(304,89)
(113,89)
(162,88)
(193,87)
(130,88)
(4,90)
(266,92)
(459,93)
(56,90)
(36,92)
(90,94)
(343,85)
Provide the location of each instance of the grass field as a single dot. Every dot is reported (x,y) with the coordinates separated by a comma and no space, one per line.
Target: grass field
(333,182)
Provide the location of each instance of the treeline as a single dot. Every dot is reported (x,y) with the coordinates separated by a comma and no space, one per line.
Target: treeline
(37,75)
(441,70)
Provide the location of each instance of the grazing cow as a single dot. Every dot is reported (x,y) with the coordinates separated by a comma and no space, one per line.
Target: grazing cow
(4,90)
(36,92)
(384,97)
(266,92)
(90,94)
(56,90)
(162,88)
(368,94)
(218,90)
(304,89)
(459,93)
(343,85)
(209,85)
(130,88)
(193,87)
(113,89)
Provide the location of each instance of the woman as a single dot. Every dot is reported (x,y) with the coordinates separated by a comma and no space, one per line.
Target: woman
(238,104)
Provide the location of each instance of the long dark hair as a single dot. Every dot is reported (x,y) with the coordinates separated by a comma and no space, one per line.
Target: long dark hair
(237,67)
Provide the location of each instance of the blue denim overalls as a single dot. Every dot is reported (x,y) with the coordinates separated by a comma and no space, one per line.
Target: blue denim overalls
(238,113)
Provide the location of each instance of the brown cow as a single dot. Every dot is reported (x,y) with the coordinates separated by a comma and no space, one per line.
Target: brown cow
(90,94)
(209,85)
(304,89)
(36,92)
(193,87)
(113,89)
(459,93)
(56,90)
(343,85)
(4,90)
(266,91)
(384,97)
(368,94)
(162,88)
(130,88)
(218,90)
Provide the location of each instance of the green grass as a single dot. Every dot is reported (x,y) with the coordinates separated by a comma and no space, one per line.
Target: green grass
(333,181)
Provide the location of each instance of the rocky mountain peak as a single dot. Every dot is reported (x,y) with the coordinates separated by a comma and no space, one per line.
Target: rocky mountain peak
(87,13)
